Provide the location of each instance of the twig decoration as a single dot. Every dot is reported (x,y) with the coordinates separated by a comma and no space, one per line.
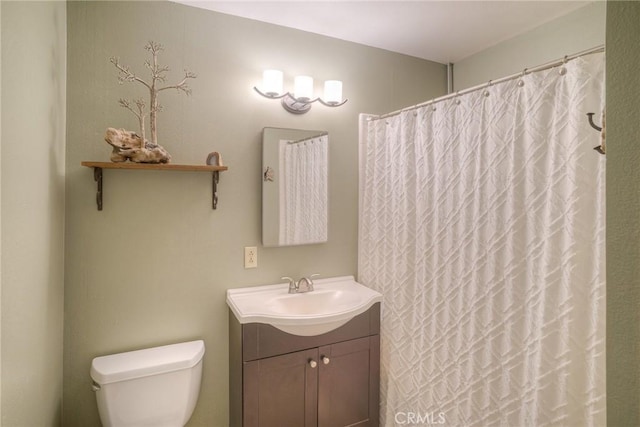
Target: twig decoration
(158,76)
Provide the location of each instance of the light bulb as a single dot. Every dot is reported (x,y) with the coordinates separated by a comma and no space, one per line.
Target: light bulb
(332,92)
(272,82)
(303,88)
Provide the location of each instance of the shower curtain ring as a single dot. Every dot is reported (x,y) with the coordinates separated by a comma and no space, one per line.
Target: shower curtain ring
(457,101)
(563,70)
(486,92)
(521,81)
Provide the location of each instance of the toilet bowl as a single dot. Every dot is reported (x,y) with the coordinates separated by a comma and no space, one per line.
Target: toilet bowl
(155,387)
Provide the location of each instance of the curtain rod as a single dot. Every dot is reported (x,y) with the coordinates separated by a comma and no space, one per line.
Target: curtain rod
(542,67)
(308,138)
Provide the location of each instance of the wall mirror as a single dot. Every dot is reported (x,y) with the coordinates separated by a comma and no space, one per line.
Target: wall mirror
(294,186)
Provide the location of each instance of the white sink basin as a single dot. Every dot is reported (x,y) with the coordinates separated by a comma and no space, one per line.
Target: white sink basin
(331,304)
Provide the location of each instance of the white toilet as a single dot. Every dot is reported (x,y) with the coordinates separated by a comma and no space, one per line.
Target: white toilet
(156,387)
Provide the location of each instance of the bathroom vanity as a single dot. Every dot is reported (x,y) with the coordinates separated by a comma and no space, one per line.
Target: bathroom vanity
(330,379)
(278,379)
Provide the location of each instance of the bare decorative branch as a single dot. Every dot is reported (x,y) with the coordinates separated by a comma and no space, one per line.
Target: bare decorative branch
(183,86)
(154,47)
(125,75)
(139,112)
(158,75)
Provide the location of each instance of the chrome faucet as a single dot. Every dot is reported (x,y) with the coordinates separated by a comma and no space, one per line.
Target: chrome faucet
(303,285)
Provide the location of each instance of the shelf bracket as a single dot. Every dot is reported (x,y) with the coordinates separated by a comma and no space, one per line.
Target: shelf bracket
(99,166)
(97,176)
(215,179)
(214,187)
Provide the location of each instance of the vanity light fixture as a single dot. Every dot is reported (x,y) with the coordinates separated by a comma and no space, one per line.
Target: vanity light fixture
(299,102)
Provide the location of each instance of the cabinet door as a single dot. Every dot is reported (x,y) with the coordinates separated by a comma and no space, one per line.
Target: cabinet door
(348,383)
(281,391)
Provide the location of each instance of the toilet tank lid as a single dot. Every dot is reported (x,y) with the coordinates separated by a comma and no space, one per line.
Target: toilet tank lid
(149,361)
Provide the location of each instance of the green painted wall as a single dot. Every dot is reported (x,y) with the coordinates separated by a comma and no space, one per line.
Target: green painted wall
(623,213)
(572,33)
(33,168)
(152,268)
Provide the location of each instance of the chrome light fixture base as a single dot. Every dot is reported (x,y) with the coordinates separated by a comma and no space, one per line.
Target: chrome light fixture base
(296,106)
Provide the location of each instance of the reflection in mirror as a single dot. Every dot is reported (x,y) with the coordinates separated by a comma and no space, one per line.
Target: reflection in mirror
(294,186)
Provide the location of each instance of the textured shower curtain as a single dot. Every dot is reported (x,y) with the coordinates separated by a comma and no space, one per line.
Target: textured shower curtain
(482,223)
(303,191)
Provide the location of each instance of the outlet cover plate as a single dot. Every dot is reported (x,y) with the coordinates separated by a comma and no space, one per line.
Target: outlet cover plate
(250,257)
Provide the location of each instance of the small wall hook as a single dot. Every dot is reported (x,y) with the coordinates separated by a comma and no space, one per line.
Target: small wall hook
(600,148)
(593,125)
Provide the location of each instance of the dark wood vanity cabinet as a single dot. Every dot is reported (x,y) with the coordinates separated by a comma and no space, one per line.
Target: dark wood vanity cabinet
(347,386)
(283,380)
(281,390)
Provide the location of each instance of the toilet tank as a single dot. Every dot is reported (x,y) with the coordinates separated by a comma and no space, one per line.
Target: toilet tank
(152,387)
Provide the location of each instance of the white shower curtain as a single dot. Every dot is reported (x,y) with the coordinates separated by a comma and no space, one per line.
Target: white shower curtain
(303,191)
(482,223)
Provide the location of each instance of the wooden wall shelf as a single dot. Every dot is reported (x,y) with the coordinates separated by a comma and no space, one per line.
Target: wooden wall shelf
(98,166)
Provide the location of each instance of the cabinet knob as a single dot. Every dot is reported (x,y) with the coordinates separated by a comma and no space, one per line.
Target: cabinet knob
(325,360)
(313,363)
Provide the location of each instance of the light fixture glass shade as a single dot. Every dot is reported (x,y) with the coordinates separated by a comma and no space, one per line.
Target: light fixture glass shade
(272,82)
(303,88)
(332,92)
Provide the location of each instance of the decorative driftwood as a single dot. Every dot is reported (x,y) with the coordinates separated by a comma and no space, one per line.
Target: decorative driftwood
(129,145)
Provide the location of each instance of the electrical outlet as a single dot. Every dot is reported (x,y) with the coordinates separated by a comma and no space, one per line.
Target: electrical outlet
(250,257)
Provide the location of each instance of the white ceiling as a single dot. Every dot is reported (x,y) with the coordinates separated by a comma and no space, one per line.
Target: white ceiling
(441,31)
